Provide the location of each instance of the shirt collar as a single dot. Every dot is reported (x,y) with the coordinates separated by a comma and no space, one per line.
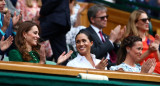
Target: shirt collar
(96,29)
(83,57)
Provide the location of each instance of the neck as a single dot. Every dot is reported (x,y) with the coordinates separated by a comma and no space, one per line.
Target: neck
(89,58)
(129,61)
(28,47)
(142,34)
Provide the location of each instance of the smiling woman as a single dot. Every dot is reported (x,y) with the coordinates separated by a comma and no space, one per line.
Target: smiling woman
(138,25)
(26,40)
(130,51)
(28,48)
(85,59)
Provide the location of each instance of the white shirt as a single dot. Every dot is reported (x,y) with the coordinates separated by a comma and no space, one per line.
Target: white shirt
(97,31)
(82,62)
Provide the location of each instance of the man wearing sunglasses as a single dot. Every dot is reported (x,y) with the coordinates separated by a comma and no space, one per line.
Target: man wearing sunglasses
(103,45)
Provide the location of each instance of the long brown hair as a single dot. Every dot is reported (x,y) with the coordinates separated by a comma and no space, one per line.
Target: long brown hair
(20,40)
(29,3)
(131,28)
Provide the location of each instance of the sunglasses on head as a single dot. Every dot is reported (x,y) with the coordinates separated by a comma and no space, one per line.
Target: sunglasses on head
(144,20)
(102,17)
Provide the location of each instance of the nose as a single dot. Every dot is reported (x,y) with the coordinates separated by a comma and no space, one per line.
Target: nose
(140,52)
(81,43)
(147,21)
(38,36)
(4,2)
(105,18)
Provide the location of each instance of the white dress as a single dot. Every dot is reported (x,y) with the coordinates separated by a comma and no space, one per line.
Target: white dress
(82,62)
(127,68)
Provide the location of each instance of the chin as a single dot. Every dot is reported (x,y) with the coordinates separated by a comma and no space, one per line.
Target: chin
(34,44)
(82,53)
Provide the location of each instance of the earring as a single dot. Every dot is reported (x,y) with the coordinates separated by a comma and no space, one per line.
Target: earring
(127,51)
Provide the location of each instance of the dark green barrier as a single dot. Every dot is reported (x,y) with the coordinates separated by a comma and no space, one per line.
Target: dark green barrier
(22,79)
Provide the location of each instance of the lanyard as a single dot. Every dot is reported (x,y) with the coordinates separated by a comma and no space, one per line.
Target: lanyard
(1,21)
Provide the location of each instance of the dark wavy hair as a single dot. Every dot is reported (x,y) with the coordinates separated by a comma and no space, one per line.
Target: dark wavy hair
(127,42)
(20,40)
(86,33)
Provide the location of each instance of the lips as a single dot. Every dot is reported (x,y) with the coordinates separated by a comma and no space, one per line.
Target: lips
(147,26)
(81,48)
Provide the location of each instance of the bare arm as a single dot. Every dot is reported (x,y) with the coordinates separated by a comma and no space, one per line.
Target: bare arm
(78,21)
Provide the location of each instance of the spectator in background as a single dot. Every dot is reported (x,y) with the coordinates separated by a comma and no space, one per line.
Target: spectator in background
(55,23)
(14,2)
(75,13)
(103,45)
(30,9)
(130,51)
(9,6)
(155,3)
(84,0)
(145,2)
(138,25)
(6,25)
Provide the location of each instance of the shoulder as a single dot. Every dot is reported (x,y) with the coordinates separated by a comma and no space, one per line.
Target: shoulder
(88,29)
(72,62)
(75,61)
(15,55)
(151,37)
(14,51)
(122,65)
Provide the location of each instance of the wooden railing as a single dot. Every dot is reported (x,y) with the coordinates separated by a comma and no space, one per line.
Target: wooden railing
(116,17)
(70,71)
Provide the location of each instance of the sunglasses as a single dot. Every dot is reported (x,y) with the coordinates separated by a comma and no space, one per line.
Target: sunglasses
(103,17)
(144,20)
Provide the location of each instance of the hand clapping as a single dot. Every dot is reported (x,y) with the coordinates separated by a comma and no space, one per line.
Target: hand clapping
(102,64)
(148,66)
(5,44)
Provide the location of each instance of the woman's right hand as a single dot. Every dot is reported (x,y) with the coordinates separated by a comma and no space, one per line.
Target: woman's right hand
(148,66)
(42,54)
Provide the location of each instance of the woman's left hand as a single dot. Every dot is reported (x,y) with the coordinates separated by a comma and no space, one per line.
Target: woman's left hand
(102,64)
(42,54)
